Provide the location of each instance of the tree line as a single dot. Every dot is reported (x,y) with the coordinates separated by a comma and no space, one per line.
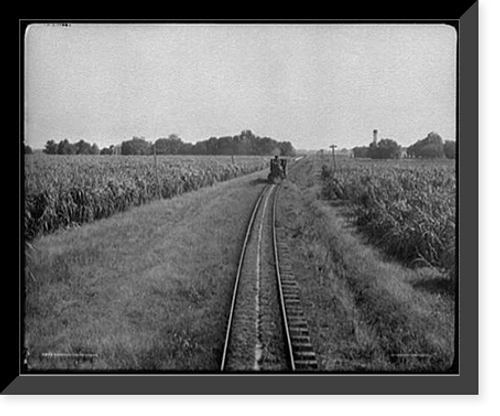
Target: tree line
(246,143)
(432,146)
(383,149)
(64,147)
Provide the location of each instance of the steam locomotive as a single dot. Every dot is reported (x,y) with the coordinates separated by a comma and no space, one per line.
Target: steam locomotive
(278,170)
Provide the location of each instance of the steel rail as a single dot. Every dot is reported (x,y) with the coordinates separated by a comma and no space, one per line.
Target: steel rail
(238,275)
(280,287)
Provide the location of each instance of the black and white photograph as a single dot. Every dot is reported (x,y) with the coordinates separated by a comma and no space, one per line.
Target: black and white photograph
(223,198)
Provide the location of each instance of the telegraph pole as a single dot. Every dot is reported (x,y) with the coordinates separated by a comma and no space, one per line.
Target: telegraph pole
(333,146)
(158,190)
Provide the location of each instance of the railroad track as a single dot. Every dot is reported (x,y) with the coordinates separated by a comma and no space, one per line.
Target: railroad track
(266,329)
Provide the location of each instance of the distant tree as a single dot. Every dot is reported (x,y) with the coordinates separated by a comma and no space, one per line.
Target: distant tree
(200,148)
(27,150)
(286,149)
(267,146)
(106,151)
(431,151)
(66,148)
(172,145)
(51,148)
(434,138)
(384,149)
(211,146)
(411,151)
(360,151)
(95,149)
(449,149)
(429,147)
(243,144)
(161,146)
(225,145)
(247,135)
(373,151)
(246,143)
(83,148)
(136,146)
(389,149)
(187,149)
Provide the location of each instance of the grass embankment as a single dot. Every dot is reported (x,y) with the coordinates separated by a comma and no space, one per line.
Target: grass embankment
(366,313)
(148,289)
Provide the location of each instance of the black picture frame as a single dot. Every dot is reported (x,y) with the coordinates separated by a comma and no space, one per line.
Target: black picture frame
(465,382)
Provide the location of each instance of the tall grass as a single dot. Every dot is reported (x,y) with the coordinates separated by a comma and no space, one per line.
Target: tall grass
(406,208)
(61,191)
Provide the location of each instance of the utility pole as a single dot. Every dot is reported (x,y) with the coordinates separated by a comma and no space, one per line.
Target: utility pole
(158,190)
(333,146)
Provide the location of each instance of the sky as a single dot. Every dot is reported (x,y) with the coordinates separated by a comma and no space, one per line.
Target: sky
(313,85)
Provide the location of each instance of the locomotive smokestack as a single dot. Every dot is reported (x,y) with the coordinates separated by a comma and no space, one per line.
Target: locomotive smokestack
(375,132)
